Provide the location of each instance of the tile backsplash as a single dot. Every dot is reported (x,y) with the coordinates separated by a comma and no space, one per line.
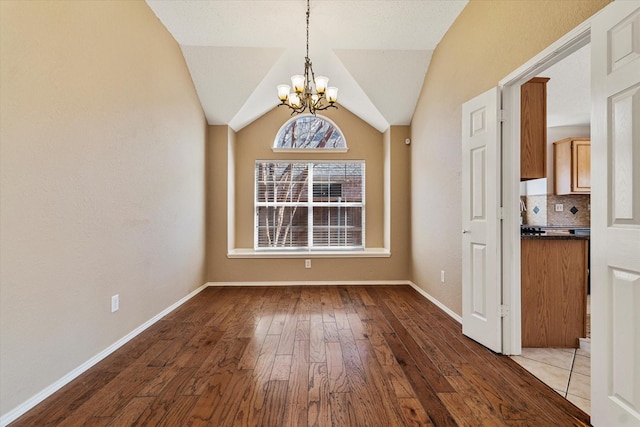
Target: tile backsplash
(541,210)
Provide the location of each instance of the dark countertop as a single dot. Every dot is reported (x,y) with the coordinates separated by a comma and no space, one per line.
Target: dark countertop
(554,235)
(551,232)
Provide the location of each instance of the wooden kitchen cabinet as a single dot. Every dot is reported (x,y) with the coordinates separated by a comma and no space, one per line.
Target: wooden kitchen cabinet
(572,166)
(533,129)
(554,291)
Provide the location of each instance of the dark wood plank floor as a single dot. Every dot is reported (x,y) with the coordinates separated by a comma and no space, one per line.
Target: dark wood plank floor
(305,356)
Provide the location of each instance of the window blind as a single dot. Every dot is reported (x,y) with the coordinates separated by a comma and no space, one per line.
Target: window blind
(309,205)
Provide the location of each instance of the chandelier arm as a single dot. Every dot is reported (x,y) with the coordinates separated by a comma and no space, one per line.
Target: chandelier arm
(325,107)
(299,110)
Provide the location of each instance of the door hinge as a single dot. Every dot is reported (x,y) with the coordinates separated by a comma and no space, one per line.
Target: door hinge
(503,310)
(502,115)
(500,212)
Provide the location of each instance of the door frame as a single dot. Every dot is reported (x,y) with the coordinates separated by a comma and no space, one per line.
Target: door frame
(510,85)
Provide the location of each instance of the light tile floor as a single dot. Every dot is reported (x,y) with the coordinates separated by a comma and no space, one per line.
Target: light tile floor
(566,370)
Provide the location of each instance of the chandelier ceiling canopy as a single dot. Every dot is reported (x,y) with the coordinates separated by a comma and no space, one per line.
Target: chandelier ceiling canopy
(308,92)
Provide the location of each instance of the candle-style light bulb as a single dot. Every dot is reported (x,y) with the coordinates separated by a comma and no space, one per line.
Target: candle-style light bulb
(321,84)
(297,82)
(283,92)
(332,94)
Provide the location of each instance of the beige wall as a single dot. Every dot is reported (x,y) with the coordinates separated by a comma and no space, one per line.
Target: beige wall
(102,144)
(255,142)
(487,41)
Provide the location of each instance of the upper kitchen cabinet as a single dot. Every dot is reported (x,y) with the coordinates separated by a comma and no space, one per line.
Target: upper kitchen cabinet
(572,166)
(533,129)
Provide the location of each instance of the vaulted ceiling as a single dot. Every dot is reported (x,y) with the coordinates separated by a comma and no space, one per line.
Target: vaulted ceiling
(375,51)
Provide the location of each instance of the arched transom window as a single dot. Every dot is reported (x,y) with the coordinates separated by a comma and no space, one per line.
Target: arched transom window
(310,133)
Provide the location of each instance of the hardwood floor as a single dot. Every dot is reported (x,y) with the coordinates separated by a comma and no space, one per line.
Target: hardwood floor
(305,356)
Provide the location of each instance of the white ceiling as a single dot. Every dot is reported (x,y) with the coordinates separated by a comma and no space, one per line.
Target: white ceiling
(569,90)
(375,51)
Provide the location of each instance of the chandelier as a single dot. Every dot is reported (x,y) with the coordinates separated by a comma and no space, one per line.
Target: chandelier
(303,97)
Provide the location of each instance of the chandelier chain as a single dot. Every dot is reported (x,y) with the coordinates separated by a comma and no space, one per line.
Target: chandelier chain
(308,13)
(308,93)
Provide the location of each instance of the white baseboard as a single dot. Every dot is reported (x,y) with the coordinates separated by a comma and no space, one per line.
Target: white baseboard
(440,305)
(42,395)
(315,283)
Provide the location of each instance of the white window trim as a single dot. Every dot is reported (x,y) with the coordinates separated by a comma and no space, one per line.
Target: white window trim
(304,253)
(344,251)
(310,150)
(234,251)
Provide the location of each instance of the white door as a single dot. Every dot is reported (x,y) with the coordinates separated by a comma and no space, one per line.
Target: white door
(615,214)
(481,282)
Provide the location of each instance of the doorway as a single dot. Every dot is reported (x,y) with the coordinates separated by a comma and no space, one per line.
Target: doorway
(551,214)
(511,189)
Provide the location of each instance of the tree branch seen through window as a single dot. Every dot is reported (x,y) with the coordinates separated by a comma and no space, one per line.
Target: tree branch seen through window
(309,205)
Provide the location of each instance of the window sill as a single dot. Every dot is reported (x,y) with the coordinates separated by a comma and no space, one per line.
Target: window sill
(367,253)
(310,150)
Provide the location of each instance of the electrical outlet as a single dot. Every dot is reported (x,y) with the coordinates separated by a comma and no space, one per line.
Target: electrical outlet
(115,303)
(559,207)
(307,263)
(442,276)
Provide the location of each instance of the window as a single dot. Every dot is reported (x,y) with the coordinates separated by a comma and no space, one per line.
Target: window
(310,133)
(317,205)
